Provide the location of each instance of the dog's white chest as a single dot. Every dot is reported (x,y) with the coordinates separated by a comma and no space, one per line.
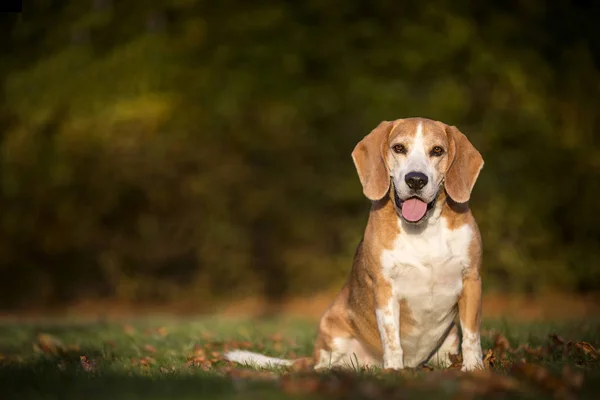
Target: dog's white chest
(425,270)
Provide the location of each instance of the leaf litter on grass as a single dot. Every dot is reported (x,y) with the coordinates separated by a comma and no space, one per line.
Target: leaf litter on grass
(507,370)
(555,367)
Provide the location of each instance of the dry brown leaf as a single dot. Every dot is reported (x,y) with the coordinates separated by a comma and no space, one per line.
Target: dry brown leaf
(149,348)
(304,364)
(198,351)
(556,340)
(277,337)
(49,344)
(490,359)
(501,345)
(147,361)
(129,329)
(199,361)
(586,349)
(162,331)
(456,360)
(86,364)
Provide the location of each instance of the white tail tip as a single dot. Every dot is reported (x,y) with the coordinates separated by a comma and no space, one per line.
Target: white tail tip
(255,359)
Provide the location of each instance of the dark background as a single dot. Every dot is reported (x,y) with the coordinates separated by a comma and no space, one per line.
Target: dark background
(155,151)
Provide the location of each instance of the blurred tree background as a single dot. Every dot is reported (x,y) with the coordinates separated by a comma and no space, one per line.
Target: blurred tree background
(168,149)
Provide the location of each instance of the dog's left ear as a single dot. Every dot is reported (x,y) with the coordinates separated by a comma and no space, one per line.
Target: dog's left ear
(465,165)
(370,164)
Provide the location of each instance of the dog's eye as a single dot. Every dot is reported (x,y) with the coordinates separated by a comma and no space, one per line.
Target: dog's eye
(437,151)
(398,148)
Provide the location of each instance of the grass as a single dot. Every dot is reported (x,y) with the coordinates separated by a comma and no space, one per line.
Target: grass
(163,358)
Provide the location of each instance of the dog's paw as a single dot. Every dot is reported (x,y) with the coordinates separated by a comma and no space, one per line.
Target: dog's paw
(394,366)
(472,363)
(394,361)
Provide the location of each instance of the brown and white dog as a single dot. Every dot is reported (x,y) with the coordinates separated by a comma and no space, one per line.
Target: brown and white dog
(418,265)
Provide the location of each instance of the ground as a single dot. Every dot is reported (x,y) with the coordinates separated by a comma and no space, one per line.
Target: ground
(181,358)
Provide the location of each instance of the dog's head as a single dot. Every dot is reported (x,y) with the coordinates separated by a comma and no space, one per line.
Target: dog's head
(420,156)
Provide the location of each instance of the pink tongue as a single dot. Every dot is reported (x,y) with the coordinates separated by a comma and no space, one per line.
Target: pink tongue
(413,209)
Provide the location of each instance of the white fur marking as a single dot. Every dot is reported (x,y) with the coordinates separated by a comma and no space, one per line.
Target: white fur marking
(471,350)
(388,322)
(417,160)
(255,359)
(425,268)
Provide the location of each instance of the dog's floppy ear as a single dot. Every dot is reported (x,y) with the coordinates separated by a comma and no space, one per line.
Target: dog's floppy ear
(370,164)
(465,165)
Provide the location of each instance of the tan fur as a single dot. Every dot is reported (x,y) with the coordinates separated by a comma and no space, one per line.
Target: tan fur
(368,159)
(457,215)
(352,313)
(464,168)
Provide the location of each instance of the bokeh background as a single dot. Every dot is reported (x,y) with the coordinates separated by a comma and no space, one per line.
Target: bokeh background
(192,150)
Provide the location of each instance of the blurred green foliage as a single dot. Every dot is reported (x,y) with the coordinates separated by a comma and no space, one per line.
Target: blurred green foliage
(154,150)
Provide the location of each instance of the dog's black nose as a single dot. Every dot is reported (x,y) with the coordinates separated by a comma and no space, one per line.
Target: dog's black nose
(416,180)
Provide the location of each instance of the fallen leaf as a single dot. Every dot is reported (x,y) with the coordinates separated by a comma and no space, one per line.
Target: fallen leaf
(303,364)
(501,345)
(198,351)
(555,340)
(586,349)
(149,348)
(199,361)
(162,331)
(147,361)
(49,344)
(490,359)
(277,337)
(456,360)
(86,364)
(129,329)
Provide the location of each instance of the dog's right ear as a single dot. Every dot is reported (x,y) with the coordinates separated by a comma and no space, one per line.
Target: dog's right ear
(370,164)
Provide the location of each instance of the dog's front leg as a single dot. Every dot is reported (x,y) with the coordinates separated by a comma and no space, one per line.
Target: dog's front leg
(387,312)
(469,308)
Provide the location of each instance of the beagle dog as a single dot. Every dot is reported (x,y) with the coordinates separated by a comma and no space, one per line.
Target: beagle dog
(418,265)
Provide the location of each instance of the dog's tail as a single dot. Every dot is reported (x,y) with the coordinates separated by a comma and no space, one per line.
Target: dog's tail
(255,359)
